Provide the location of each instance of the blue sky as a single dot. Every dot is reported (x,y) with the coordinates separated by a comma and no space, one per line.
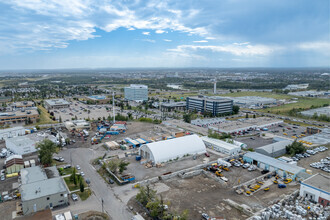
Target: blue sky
(168,33)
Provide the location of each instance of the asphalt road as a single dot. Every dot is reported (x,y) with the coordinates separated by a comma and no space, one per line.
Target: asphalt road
(83,156)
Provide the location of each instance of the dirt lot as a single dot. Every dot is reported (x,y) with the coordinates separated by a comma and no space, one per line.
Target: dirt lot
(6,209)
(206,195)
(254,142)
(305,162)
(142,173)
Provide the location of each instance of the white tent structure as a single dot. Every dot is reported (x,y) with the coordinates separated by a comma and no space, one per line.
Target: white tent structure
(164,151)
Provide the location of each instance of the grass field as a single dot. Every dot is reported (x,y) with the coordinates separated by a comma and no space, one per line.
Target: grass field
(84,195)
(71,185)
(304,103)
(44,117)
(261,94)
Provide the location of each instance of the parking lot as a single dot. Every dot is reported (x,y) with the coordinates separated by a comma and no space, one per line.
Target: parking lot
(84,111)
(305,162)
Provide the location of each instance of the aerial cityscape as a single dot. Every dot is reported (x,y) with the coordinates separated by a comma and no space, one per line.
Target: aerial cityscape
(164,110)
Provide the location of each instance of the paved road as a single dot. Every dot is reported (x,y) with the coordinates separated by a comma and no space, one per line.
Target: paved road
(83,156)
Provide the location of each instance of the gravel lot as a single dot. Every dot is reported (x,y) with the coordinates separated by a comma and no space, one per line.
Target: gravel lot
(305,162)
(6,209)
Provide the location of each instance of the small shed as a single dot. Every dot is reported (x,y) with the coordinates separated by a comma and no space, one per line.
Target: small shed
(14,164)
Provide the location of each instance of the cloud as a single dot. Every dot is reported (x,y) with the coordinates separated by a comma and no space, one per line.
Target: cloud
(146,33)
(159,31)
(321,46)
(167,40)
(237,50)
(131,29)
(149,40)
(200,41)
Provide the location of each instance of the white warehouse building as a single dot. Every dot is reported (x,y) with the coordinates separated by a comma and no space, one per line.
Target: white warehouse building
(163,151)
(221,146)
(317,189)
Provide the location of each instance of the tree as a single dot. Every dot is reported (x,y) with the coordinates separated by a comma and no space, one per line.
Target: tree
(254,116)
(145,195)
(187,118)
(46,150)
(247,115)
(113,165)
(122,166)
(295,148)
(235,109)
(82,187)
(73,176)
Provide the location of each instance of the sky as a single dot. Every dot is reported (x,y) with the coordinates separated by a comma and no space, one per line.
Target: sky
(51,34)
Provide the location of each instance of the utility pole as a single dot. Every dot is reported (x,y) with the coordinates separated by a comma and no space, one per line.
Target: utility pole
(102,205)
(113,107)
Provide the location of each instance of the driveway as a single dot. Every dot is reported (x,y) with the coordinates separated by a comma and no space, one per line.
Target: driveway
(83,156)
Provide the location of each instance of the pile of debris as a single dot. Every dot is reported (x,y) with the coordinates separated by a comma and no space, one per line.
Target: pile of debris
(297,208)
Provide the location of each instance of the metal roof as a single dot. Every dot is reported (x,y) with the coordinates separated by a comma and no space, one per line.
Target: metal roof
(42,188)
(277,146)
(57,102)
(220,143)
(274,162)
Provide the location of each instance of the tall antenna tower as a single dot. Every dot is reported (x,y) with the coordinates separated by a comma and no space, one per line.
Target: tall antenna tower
(215,86)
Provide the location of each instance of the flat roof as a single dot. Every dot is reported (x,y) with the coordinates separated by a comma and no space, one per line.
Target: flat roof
(173,104)
(274,162)
(319,181)
(8,130)
(137,86)
(42,188)
(32,174)
(57,102)
(220,143)
(211,98)
(19,113)
(97,97)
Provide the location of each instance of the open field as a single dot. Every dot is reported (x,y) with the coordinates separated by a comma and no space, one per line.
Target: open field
(304,103)
(261,94)
(44,117)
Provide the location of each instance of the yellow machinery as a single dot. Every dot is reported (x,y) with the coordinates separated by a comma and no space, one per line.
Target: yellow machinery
(261,183)
(218,173)
(225,168)
(248,192)
(275,182)
(266,189)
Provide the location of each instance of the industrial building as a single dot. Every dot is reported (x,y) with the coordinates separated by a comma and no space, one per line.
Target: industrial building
(283,169)
(243,125)
(172,106)
(77,125)
(136,92)
(12,132)
(317,189)
(296,86)
(309,93)
(276,149)
(98,99)
(318,138)
(14,164)
(221,146)
(42,189)
(252,101)
(21,145)
(215,105)
(19,116)
(56,104)
(318,111)
(164,151)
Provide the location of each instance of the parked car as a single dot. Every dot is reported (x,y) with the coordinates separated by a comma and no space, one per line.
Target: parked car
(88,181)
(2,178)
(67,166)
(205,216)
(82,173)
(207,154)
(78,167)
(74,197)
(111,181)
(264,171)
(281,186)
(247,165)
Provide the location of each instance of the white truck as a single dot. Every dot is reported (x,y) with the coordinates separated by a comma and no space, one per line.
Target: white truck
(223,163)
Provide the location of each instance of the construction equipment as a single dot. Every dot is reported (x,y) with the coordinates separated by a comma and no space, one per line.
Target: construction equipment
(260,182)
(266,189)
(218,173)
(248,192)
(225,168)
(275,182)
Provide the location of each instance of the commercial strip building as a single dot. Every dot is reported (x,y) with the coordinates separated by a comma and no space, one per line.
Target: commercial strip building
(56,104)
(21,145)
(309,93)
(243,125)
(318,111)
(22,104)
(18,116)
(172,106)
(221,146)
(12,132)
(136,92)
(164,151)
(317,189)
(283,169)
(252,101)
(215,105)
(275,149)
(42,189)
(98,99)
(296,86)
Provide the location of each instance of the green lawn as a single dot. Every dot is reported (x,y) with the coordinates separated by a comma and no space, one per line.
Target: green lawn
(261,94)
(44,117)
(84,195)
(71,185)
